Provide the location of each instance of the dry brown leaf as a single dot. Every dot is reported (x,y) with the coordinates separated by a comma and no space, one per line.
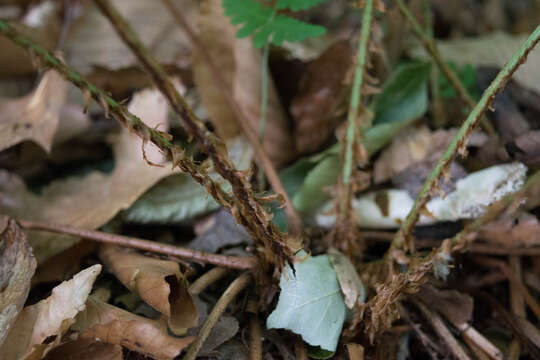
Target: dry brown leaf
(40,327)
(17,265)
(113,325)
(34,116)
(92,40)
(356,351)
(348,278)
(455,306)
(316,106)
(240,63)
(86,349)
(89,202)
(158,282)
(511,232)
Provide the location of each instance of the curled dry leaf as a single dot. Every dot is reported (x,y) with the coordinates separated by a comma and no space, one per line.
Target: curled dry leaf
(90,201)
(322,91)
(34,116)
(106,323)
(158,282)
(349,280)
(17,265)
(40,327)
(86,349)
(240,63)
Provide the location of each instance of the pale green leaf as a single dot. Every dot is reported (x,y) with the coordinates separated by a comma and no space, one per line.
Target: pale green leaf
(310,303)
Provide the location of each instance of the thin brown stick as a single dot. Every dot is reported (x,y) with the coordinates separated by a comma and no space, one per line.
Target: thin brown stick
(529,299)
(233,262)
(255,340)
(248,211)
(207,279)
(440,328)
(262,158)
(236,286)
(517,304)
(300,351)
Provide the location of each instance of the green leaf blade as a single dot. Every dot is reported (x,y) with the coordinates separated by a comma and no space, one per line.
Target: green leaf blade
(297,5)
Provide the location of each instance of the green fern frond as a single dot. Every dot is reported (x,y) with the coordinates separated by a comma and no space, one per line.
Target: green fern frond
(265,25)
(296,5)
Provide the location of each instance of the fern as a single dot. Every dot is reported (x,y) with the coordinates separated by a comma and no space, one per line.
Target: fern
(265,26)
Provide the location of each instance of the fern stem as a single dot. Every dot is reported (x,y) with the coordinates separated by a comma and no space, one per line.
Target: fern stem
(459,141)
(451,76)
(264,90)
(354,105)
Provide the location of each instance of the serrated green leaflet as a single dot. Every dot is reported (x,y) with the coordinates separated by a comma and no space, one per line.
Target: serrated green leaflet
(310,303)
(263,23)
(296,5)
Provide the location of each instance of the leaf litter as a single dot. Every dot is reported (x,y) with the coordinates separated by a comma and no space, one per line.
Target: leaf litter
(369,301)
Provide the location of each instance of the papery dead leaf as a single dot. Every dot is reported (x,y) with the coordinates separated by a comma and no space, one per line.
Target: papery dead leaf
(40,327)
(17,266)
(86,349)
(315,108)
(103,322)
(93,41)
(512,232)
(240,63)
(349,280)
(34,116)
(455,306)
(90,201)
(158,282)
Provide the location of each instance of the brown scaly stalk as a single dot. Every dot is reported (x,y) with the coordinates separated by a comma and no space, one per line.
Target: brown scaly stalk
(233,262)
(381,309)
(295,222)
(451,76)
(247,210)
(459,143)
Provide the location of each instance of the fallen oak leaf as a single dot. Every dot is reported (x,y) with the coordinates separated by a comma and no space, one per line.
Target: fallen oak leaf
(158,282)
(112,325)
(17,266)
(34,116)
(30,337)
(85,349)
(93,200)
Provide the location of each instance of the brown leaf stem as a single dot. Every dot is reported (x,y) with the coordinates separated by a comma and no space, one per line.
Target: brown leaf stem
(230,293)
(262,158)
(246,209)
(233,262)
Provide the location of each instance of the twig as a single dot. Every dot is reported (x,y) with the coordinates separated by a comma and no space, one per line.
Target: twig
(247,211)
(236,286)
(255,341)
(233,262)
(207,279)
(263,161)
(459,141)
(440,328)
(452,78)
(516,303)
(300,351)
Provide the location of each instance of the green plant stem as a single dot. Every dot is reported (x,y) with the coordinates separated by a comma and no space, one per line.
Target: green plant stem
(453,79)
(459,141)
(248,211)
(356,94)
(264,104)
(236,286)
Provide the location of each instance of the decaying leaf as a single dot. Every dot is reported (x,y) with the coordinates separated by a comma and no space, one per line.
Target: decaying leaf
(40,327)
(520,231)
(349,280)
(109,324)
(473,194)
(241,64)
(86,349)
(90,201)
(312,288)
(17,266)
(158,282)
(322,91)
(34,116)
(92,40)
